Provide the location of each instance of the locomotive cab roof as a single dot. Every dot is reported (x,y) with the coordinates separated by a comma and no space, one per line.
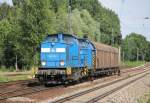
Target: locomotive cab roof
(63,34)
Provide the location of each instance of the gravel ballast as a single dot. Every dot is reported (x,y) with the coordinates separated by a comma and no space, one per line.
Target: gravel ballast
(133,93)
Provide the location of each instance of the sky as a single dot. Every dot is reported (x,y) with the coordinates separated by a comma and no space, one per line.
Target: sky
(8,1)
(131,14)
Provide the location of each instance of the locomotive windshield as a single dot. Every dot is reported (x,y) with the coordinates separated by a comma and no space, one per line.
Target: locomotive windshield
(68,39)
(83,43)
(53,38)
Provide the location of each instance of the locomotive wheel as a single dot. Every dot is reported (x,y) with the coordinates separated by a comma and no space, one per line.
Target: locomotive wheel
(119,73)
(66,83)
(91,78)
(41,79)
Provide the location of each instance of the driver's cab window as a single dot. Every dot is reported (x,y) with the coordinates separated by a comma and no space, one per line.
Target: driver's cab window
(53,38)
(68,39)
(83,44)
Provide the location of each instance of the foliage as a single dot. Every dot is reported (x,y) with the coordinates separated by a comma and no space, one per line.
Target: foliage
(148,99)
(24,25)
(135,47)
(106,20)
(35,24)
(145,98)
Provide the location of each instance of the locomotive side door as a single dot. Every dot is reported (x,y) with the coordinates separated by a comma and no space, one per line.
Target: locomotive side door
(88,54)
(71,51)
(83,52)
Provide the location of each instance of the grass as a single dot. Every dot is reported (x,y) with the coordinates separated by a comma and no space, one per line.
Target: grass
(148,99)
(131,64)
(13,78)
(10,74)
(4,69)
(145,98)
(23,75)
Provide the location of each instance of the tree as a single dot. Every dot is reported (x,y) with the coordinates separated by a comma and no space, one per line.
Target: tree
(78,23)
(35,23)
(27,22)
(147,54)
(5,30)
(135,47)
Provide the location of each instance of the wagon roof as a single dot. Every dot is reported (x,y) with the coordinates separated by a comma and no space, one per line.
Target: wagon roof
(100,46)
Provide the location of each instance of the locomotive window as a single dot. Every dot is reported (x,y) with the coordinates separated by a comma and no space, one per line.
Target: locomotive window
(68,39)
(83,44)
(53,38)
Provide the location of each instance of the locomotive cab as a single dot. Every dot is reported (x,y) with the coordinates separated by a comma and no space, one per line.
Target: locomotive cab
(57,56)
(54,51)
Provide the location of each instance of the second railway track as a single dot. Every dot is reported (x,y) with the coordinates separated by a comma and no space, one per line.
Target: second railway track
(89,98)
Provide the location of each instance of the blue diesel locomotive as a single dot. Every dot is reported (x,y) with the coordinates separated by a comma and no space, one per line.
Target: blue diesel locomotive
(66,58)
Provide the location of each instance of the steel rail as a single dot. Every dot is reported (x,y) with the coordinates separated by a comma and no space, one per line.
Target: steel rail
(114,90)
(24,91)
(65,99)
(6,84)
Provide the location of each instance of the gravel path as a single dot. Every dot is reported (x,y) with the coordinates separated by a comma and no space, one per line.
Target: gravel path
(131,94)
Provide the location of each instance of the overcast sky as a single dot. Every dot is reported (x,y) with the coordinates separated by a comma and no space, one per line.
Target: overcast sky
(8,1)
(131,14)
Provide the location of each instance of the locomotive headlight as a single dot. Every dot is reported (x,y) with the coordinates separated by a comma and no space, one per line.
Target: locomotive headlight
(43,63)
(62,63)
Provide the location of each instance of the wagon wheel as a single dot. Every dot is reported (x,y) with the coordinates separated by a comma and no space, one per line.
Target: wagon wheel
(119,72)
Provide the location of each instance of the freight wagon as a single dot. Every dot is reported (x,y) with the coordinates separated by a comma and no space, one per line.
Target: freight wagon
(66,58)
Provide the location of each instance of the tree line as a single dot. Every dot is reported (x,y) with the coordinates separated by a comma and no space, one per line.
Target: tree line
(135,47)
(24,25)
(27,22)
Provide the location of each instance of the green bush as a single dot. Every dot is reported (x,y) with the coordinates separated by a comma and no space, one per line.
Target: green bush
(4,69)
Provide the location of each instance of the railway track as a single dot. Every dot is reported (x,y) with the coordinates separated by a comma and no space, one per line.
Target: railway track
(22,87)
(7,84)
(114,90)
(23,91)
(75,97)
(14,86)
(133,69)
(35,89)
